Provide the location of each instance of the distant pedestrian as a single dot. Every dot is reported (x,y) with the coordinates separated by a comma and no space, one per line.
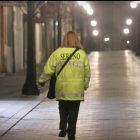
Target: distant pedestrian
(71,82)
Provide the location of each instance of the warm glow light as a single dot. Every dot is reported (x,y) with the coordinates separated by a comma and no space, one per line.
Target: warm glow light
(86,6)
(137,1)
(106,39)
(128,42)
(93,23)
(133,4)
(96,55)
(95,32)
(129,21)
(90,11)
(126,31)
(56,23)
(81,2)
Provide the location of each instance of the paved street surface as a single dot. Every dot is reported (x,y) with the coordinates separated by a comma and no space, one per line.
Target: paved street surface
(111,110)
(13,105)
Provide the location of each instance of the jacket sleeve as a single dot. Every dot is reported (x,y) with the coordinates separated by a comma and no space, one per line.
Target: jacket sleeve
(49,69)
(87,73)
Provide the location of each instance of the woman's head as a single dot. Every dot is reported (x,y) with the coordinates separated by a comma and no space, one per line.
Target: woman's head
(71,40)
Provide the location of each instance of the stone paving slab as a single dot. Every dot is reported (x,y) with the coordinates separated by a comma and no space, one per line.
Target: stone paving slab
(2,120)
(111,110)
(30,106)
(14,117)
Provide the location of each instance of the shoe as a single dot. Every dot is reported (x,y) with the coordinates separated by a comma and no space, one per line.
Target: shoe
(62,133)
(71,137)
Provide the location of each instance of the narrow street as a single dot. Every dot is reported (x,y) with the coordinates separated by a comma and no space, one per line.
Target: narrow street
(111,110)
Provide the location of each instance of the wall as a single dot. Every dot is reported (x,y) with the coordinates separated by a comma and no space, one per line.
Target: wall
(38,42)
(1,10)
(49,37)
(13,40)
(10,39)
(18,38)
(3,40)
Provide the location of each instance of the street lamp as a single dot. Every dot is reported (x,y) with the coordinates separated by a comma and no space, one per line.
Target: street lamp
(86,6)
(90,11)
(30,87)
(129,21)
(95,32)
(93,23)
(126,31)
(106,39)
(56,23)
(128,41)
(81,2)
(133,4)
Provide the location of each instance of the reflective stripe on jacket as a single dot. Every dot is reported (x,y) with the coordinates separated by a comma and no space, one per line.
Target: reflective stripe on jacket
(75,76)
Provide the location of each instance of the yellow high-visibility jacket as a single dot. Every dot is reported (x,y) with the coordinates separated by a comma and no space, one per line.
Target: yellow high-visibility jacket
(75,76)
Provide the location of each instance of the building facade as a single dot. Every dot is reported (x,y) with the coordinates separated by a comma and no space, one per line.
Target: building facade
(13,38)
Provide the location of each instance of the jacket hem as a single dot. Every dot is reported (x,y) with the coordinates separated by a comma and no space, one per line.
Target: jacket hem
(68,100)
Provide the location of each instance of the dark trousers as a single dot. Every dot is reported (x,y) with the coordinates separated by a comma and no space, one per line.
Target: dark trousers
(68,111)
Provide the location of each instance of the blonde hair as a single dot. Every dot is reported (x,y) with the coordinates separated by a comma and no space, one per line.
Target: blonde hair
(71,40)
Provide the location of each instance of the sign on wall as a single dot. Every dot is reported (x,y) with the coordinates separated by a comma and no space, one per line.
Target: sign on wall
(51,9)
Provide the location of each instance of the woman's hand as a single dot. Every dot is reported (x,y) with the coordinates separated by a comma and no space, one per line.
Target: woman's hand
(42,84)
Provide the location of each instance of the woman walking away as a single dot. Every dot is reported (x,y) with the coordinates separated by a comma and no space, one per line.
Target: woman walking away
(70,83)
